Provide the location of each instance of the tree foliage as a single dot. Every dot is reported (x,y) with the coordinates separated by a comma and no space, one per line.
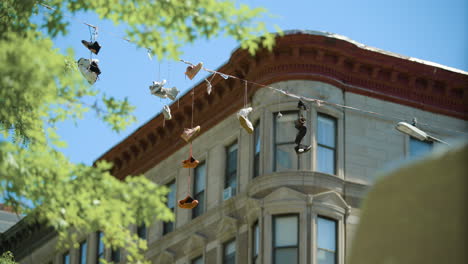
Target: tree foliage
(40,87)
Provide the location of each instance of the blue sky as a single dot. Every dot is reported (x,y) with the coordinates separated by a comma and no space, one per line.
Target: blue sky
(431,30)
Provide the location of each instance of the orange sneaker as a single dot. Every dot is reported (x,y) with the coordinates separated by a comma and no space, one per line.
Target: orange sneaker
(188,203)
(190,163)
(189,133)
(193,70)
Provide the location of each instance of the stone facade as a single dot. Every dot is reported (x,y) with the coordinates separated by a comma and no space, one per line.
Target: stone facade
(326,67)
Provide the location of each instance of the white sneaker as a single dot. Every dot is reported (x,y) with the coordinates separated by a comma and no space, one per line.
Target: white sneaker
(89,69)
(172,93)
(156,87)
(243,119)
(167,112)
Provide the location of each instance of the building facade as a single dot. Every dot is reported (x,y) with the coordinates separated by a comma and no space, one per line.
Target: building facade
(260,202)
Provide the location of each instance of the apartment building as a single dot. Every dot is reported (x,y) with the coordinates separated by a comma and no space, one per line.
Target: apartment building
(259,200)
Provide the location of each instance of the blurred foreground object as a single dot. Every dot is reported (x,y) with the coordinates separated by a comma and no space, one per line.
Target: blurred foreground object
(417,214)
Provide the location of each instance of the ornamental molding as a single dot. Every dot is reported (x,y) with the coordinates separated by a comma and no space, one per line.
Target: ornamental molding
(326,58)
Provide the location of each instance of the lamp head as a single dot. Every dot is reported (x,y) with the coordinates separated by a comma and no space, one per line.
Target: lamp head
(412,131)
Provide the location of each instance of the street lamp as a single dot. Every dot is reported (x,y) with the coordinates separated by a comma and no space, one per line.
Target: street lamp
(416,132)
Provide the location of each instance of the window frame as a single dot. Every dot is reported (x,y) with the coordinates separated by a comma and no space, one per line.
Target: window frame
(273,240)
(275,144)
(226,173)
(335,149)
(224,247)
(80,252)
(195,194)
(336,252)
(170,225)
(66,255)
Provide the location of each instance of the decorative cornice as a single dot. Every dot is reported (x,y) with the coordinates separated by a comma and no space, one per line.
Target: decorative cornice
(320,57)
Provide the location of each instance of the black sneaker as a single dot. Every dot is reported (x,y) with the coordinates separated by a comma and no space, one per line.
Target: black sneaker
(94,46)
(302,149)
(301,105)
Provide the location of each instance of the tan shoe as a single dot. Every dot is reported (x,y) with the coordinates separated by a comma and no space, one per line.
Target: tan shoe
(190,163)
(244,120)
(189,133)
(188,203)
(193,70)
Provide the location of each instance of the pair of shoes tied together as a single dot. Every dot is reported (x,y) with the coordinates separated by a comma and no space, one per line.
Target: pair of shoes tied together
(188,203)
(190,163)
(158,89)
(89,69)
(93,46)
(242,115)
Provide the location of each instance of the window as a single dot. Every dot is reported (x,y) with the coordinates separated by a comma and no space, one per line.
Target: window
(115,255)
(418,148)
(285,134)
(171,201)
(66,258)
(198,260)
(326,144)
(326,241)
(257,144)
(83,249)
(285,239)
(141,231)
(255,243)
(229,252)
(199,189)
(100,246)
(231,168)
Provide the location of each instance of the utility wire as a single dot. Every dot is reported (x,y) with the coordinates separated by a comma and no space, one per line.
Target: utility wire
(280,91)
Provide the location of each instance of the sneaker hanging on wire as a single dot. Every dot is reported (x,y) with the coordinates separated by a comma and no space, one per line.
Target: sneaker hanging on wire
(89,69)
(300,149)
(244,120)
(190,163)
(193,70)
(93,46)
(167,112)
(301,105)
(172,93)
(188,203)
(189,133)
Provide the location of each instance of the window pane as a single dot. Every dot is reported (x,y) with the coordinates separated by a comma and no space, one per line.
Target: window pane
(326,131)
(198,260)
(141,231)
(285,231)
(286,157)
(326,234)
(285,130)
(256,239)
(231,168)
(115,255)
(171,196)
(325,257)
(419,148)
(168,227)
(66,258)
(83,249)
(285,255)
(200,172)
(229,253)
(197,211)
(325,160)
(257,149)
